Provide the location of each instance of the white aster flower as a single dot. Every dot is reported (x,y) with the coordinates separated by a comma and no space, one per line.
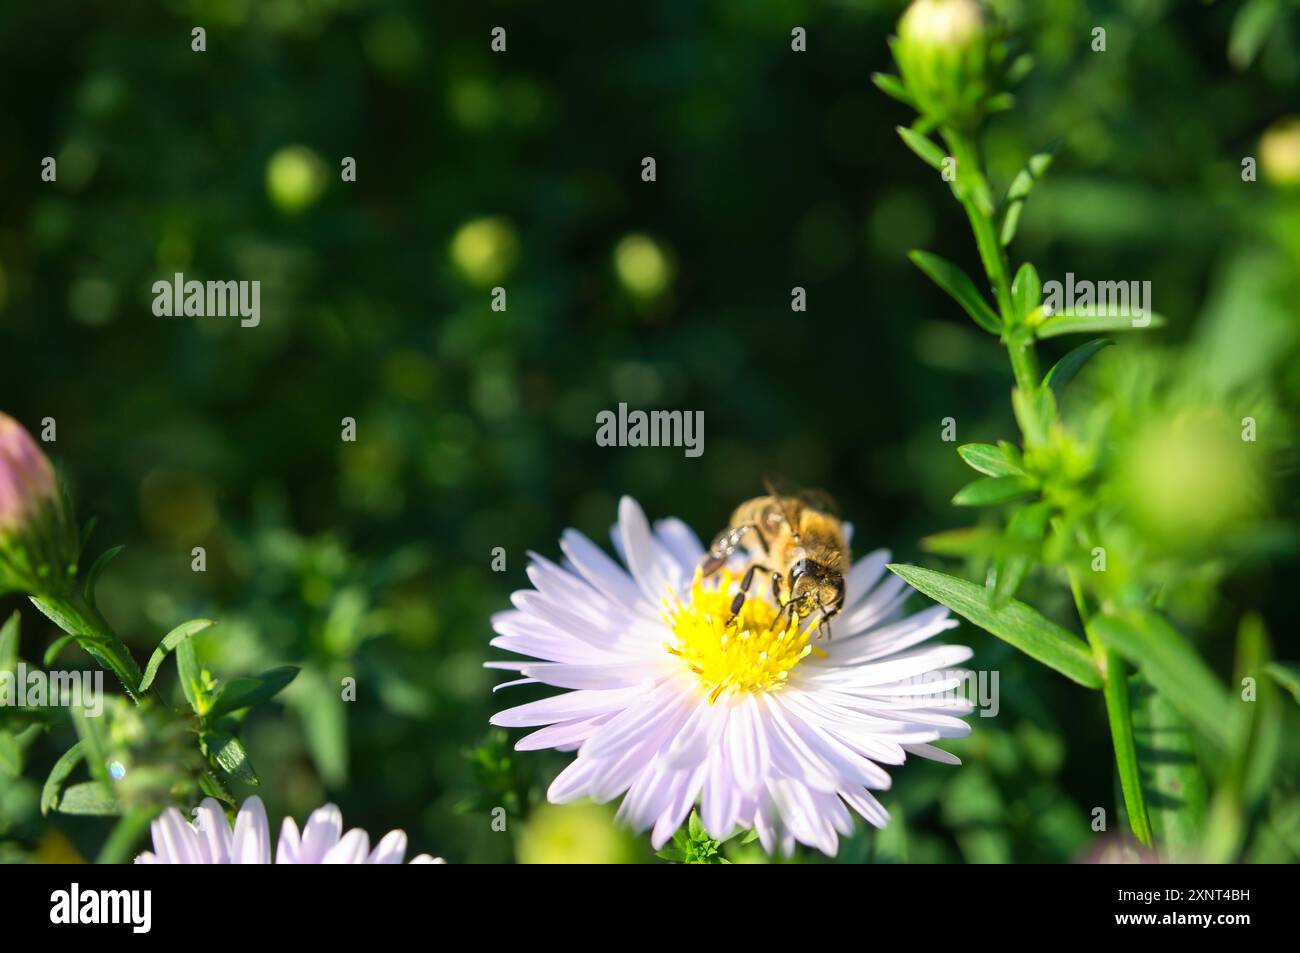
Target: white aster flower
(774,731)
(208,839)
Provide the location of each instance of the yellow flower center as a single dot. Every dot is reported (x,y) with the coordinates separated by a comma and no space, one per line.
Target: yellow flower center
(743,656)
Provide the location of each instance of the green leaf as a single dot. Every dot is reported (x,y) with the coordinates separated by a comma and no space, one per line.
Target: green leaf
(56,648)
(1015,623)
(967,541)
(1068,322)
(1171,777)
(1026,291)
(989,491)
(230,753)
(1119,713)
(11,756)
(57,611)
(1034,412)
(923,146)
(191,675)
(100,564)
(94,744)
(64,767)
(1020,68)
(989,460)
(1064,370)
(1021,186)
(892,86)
(1027,527)
(172,639)
(1286,674)
(1173,668)
(316,699)
(954,281)
(9,643)
(88,797)
(246,692)
(1255,22)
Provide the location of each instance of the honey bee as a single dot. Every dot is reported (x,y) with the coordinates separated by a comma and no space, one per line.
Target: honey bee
(796,539)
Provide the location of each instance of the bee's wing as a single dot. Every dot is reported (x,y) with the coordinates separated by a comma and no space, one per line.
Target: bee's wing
(785,498)
(819,500)
(794,498)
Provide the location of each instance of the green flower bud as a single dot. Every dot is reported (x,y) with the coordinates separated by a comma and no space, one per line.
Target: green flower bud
(37,543)
(943,55)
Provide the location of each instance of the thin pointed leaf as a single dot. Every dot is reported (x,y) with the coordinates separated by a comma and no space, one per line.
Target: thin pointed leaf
(59,774)
(172,639)
(1064,370)
(990,491)
(1173,668)
(1286,674)
(1026,291)
(892,86)
(88,797)
(230,753)
(962,290)
(1068,322)
(1015,623)
(1020,67)
(57,647)
(9,643)
(1027,529)
(247,692)
(925,147)
(1172,781)
(989,460)
(100,564)
(1021,186)
(191,675)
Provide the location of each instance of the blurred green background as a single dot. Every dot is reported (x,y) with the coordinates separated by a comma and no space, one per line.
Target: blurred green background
(476,427)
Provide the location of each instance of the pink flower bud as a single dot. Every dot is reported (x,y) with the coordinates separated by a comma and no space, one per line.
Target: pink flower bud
(26,478)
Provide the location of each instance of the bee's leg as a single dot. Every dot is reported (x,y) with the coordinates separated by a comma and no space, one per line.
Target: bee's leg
(745,583)
(725,546)
(780,622)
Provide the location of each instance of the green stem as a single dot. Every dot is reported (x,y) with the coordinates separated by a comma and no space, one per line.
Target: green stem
(126,834)
(975,197)
(1115,690)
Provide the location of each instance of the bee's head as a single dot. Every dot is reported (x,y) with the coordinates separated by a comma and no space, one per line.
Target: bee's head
(814,586)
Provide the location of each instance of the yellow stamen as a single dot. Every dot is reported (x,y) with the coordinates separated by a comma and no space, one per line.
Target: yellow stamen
(745,656)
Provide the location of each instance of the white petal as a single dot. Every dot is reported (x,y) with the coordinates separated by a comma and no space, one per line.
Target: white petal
(213,830)
(251,843)
(565,707)
(352,848)
(652,567)
(391,849)
(321,832)
(599,569)
(289,848)
(680,540)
